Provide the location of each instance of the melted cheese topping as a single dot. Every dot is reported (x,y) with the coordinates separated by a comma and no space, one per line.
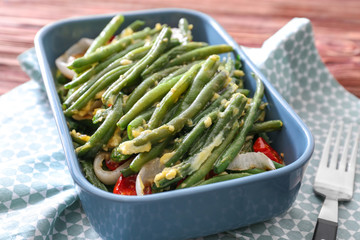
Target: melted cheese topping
(214,57)
(216,96)
(228,80)
(233,86)
(238,73)
(125,62)
(171,174)
(99,94)
(137,131)
(85,110)
(235,111)
(129,148)
(171,128)
(223,102)
(158,26)
(167,173)
(207,122)
(115,140)
(81,136)
(164,158)
(127,32)
(189,122)
(199,158)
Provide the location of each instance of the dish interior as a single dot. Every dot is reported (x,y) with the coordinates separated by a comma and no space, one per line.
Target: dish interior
(294,140)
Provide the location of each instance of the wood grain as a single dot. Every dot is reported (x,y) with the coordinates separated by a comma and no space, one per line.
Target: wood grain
(336,25)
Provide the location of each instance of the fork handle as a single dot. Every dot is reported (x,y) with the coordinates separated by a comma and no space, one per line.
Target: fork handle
(327,223)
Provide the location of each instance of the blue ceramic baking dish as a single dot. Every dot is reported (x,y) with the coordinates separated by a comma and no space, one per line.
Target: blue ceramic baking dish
(196,211)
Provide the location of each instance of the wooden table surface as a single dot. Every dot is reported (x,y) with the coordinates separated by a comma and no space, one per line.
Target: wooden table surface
(336,25)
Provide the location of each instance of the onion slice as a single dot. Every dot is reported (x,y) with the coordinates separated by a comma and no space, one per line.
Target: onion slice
(63,61)
(107,177)
(250,160)
(147,174)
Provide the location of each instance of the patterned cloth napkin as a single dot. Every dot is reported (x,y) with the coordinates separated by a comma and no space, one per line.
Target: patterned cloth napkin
(38,199)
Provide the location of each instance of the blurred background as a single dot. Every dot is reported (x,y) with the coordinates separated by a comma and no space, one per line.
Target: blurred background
(336,24)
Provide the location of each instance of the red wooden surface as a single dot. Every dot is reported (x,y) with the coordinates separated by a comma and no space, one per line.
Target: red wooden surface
(336,25)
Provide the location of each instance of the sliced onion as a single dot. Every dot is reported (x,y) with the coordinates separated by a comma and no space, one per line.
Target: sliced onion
(147,174)
(251,160)
(63,61)
(107,177)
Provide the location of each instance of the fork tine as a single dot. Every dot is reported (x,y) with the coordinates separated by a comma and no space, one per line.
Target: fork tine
(343,160)
(335,153)
(325,154)
(352,161)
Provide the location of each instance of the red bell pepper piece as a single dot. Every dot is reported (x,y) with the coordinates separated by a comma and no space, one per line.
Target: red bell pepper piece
(125,185)
(261,145)
(111,164)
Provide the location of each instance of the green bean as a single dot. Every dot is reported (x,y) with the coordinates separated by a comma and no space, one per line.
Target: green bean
(189,165)
(98,86)
(278,165)
(204,96)
(127,172)
(147,100)
(135,54)
(103,133)
(166,57)
(206,72)
(172,96)
(247,147)
(133,74)
(217,135)
(155,151)
(74,94)
(138,122)
(185,30)
(224,177)
(179,121)
(78,138)
(235,107)
(89,173)
(175,125)
(129,55)
(118,157)
(231,113)
(229,65)
(208,164)
(106,34)
(142,88)
(191,137)
(85,76)
(198,54)
(144,157)
(100,115)
(267,126)
(109,49)
(134,26)
(147,83)
(214,105)
(236,146)
(253,171)
(218,102)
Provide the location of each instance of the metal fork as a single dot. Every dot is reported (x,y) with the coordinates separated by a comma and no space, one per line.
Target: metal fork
(335,181)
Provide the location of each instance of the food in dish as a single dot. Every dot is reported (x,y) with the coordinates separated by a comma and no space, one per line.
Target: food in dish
(152,110)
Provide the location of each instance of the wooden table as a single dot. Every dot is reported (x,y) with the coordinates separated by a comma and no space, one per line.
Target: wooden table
(336,25)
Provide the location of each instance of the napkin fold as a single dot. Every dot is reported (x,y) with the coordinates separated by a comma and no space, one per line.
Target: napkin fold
(38,199)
